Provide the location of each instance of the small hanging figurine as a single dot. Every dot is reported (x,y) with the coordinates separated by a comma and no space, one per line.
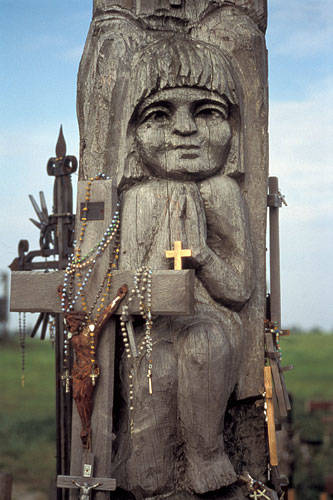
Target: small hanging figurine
(84,339)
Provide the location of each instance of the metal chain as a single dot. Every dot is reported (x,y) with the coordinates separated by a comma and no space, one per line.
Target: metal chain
(22,335)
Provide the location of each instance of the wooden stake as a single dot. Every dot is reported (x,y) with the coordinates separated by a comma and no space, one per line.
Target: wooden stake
(291,494)
(270,417)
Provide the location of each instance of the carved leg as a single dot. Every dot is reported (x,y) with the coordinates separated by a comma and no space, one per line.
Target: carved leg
(145,460)
(83,396)
(207,374)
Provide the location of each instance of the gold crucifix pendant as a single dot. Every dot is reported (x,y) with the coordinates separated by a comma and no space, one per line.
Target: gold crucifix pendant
(150,383)
(94,375)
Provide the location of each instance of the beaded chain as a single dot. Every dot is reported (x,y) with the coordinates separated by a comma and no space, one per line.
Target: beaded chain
(77,262)
(52,330)
(143,291)
(75,269)
(22,335)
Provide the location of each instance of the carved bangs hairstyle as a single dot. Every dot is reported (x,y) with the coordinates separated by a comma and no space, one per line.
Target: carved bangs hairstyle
(182,62)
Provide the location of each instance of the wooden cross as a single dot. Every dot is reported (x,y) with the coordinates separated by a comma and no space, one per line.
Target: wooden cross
(283,402)
(45,299)
(270,417)
(86,483)
(178,253)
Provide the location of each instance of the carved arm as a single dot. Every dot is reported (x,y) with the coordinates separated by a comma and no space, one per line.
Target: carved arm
(225,262)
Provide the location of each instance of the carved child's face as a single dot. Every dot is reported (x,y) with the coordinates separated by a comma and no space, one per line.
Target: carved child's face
(183,133)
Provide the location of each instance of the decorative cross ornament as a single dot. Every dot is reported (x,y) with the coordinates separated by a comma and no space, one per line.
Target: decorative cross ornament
(66,378)
(259,494)
(178,253)
(86,483)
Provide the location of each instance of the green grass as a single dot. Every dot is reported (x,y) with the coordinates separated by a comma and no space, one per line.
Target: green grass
(311,379)
(311,355)
(27,414)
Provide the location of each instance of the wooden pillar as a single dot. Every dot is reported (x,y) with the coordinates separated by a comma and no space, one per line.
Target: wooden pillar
(6,482)
(149,66)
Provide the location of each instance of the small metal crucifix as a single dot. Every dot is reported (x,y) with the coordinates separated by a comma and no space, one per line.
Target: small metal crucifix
(86,483)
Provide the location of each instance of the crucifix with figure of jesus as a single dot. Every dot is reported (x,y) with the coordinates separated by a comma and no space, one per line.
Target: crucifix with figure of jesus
(46,298)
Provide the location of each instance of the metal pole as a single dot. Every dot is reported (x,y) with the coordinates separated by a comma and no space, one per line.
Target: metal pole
(274,203)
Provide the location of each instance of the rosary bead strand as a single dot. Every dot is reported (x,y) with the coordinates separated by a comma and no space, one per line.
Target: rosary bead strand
(80,268)
(143,291)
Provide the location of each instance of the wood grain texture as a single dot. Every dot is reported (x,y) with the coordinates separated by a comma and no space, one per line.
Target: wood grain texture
(33,291)
(106,484)
(186,11)
(270,417)
(103,398)
(139,56)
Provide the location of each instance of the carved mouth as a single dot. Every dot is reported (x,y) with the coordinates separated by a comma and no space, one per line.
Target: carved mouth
(189,156)
(190,151)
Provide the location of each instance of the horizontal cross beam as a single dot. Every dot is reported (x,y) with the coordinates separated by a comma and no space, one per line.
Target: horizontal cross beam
(172,291)
(104,483)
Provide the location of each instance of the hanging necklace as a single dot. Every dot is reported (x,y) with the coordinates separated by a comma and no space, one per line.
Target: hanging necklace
(77,263)
(76,269)
(143,291)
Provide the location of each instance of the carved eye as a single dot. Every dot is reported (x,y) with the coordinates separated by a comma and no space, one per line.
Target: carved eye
(157,114)
(211,111)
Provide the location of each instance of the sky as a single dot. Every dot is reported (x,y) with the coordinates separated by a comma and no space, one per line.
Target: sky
(41,43)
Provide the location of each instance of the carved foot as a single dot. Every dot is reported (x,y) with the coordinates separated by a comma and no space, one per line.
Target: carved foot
(209,475)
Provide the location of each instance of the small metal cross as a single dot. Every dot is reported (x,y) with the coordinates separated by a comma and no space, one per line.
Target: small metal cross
(94,375)
(178,253)
(259,494)
(66,377)
(86,483)
(85,489)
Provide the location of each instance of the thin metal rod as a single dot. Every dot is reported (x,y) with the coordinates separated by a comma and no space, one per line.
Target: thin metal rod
(274,250)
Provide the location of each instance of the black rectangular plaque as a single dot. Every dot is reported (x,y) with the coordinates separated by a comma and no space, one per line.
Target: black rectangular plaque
(95,210)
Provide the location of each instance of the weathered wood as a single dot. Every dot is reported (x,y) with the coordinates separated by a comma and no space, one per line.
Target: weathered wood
(106,484)
(291,494)
(102,420)
(6,482)
(273,458)
(279,383)
(33,291)
(152,76)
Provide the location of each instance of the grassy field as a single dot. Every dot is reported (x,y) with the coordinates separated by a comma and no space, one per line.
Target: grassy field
(27,415)
(311,379)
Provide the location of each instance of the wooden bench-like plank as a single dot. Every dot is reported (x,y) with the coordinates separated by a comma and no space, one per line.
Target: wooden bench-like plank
(35,291)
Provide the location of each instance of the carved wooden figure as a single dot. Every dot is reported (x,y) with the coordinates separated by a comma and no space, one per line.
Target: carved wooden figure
(172,104)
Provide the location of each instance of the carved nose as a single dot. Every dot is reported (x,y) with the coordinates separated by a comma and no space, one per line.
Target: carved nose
(184,123)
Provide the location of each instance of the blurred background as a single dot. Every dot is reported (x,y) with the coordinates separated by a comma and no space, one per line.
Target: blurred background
(41,46)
